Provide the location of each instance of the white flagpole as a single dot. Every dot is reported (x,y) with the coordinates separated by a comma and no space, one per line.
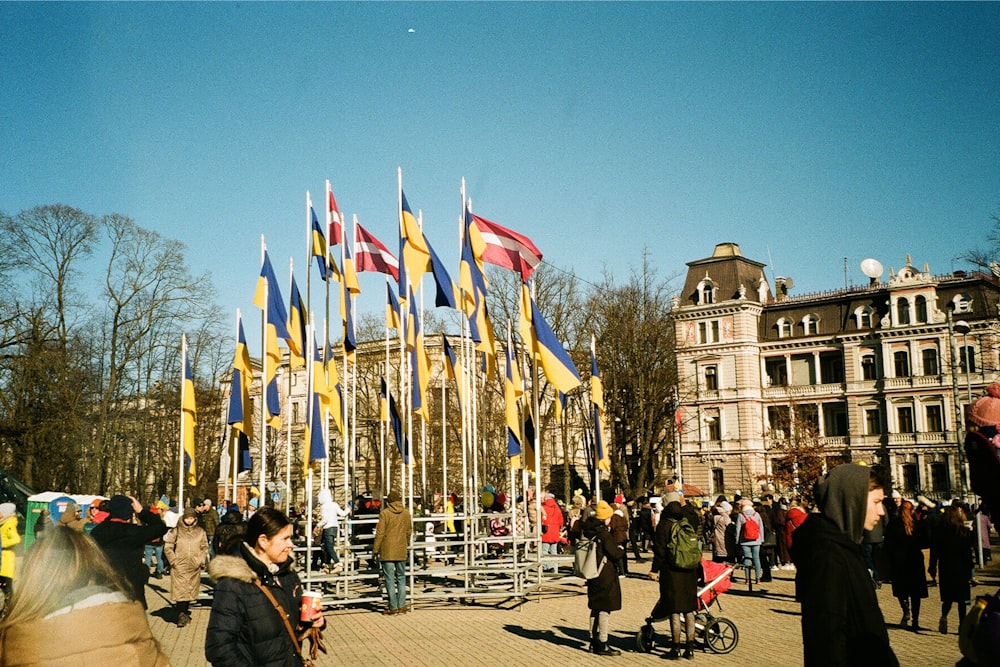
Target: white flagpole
(181,478)
(263,384)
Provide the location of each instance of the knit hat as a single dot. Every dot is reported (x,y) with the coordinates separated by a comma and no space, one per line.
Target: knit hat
(897,494)
(986,410)
(671,496)
(579,501)
(6,510)
(603,511)
(190,512)
(121,508)
(726,506)
(619,499)
(745,503)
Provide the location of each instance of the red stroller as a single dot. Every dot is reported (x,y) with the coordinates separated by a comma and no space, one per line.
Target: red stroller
(716,633)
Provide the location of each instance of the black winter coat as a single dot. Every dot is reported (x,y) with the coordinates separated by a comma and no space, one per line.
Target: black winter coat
(125,543)
(842,623)
(678,588)
(906,559)
(244,629)
(604,592)
(951,560)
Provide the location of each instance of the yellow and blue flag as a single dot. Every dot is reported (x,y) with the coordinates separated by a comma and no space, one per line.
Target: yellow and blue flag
(548,351)
(597,400)
(190,417)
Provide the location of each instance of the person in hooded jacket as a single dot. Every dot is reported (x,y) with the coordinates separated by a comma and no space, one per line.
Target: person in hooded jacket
(124,542)
(552,525)
(245,628)
(74,609)
(186,549)
(392,543)
(678,588)
(230,532)
(604,592)
(9,537)
(842,623)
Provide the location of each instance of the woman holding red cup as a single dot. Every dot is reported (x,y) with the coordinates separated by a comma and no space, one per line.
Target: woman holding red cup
(257,611)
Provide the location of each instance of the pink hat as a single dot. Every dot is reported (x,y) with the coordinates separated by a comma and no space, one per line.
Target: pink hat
(986,410)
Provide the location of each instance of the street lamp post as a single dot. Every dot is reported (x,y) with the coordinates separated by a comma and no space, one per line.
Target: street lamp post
(959,417)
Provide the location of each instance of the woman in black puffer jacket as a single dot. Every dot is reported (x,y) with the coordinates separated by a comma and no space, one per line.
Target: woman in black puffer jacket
(245,628)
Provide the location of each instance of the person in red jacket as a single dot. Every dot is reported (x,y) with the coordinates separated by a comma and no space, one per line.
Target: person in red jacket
(552,523)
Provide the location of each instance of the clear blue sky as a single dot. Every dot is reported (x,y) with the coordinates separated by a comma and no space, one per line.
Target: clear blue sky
(807,132)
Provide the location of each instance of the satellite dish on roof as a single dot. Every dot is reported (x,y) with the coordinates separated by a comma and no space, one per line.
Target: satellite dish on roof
(785,281)
(872,268)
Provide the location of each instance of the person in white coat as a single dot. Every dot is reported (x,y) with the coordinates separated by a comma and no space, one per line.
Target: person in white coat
(330,516)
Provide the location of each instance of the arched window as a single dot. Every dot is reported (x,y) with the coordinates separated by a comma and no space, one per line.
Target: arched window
(784,328)
(864,318)
(902,311)
(810,325)
(920,306)
(930,359)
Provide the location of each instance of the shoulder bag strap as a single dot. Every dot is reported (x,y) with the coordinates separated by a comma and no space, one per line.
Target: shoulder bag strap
(282,614)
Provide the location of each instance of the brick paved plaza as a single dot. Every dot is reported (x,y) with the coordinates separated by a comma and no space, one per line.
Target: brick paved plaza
(552,629)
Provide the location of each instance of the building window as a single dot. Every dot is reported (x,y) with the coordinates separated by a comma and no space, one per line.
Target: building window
(296,412)
(911,477)
(935,424)
(920,306)
(864,318)
(835,419)
(713,428)
(831,367)
(718,480)
(711,378)
(873,425)
(808,419)
(810,324)
(939,477)
(962,303)
(967,359)
(784,328)
(708,332)
(930,358)
(902,311)
(777,371)
(901,363)
(904,419)
(868,368)
(708,293)
(778,420)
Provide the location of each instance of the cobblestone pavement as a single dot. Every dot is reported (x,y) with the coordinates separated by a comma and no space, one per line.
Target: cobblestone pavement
(551,628)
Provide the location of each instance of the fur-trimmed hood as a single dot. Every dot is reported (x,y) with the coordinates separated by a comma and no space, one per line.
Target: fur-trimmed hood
(230,567)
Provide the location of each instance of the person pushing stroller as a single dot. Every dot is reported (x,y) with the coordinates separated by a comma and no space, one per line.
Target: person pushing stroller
(678,585)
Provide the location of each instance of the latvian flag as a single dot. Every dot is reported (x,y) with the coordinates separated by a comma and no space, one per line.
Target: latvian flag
(507,248)
(371,255)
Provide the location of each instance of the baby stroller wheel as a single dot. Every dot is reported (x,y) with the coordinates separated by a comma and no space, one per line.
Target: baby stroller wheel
(721,635)
(645,639)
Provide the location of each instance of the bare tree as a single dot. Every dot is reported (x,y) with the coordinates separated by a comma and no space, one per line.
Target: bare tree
(635,353)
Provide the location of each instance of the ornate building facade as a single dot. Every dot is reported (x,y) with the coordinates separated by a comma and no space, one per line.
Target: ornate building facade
(878,373)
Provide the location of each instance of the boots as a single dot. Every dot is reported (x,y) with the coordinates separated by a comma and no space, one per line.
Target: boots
(674,653)
(689,650)
(601,648)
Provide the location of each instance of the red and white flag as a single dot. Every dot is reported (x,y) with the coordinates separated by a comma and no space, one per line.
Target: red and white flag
(371,255)
(334,221)
(507,248)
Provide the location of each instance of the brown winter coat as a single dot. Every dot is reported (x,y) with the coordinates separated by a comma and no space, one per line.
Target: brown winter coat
(392,534)
(115,633)
(186,549)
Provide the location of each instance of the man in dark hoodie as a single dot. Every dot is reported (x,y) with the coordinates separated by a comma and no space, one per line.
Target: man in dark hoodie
(842,623)
(392,542)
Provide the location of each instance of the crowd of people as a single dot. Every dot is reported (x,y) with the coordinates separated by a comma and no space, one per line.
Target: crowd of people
(851,541)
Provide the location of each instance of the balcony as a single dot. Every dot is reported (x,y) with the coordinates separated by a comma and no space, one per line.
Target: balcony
(804,391)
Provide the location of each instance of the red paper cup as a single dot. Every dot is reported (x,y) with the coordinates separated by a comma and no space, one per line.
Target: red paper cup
(312,606)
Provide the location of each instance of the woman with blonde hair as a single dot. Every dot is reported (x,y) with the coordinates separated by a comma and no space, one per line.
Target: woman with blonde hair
(66,590)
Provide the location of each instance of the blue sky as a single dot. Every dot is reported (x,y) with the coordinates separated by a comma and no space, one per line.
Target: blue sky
(804,132)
